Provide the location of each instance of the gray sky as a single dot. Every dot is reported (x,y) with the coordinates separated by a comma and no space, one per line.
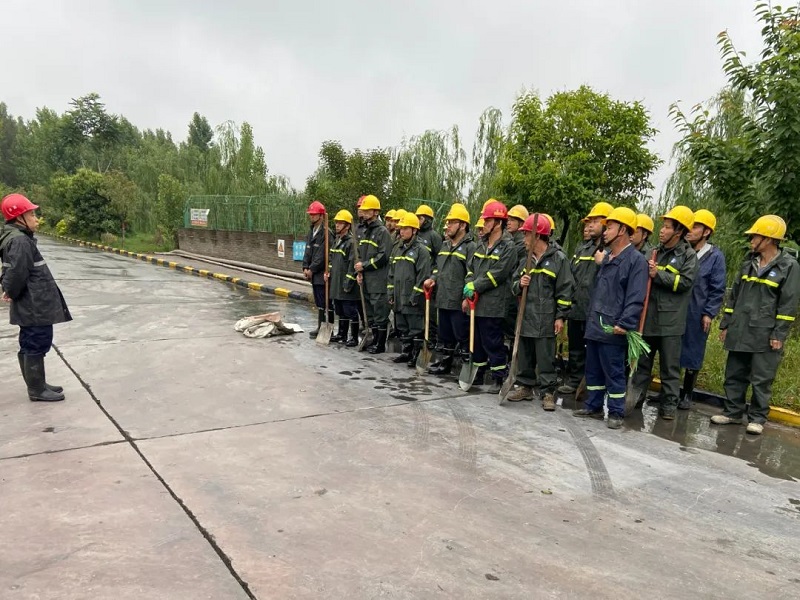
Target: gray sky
(363,72)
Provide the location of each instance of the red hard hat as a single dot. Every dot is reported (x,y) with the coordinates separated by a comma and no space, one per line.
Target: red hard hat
(15,205)
(542,225)
(316,208)
(495,210)
(360,201)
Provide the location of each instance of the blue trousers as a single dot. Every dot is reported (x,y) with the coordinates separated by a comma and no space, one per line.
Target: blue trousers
(346,309)
(605,374)
(319,296)
(489,347)
(36,339)
(453,328)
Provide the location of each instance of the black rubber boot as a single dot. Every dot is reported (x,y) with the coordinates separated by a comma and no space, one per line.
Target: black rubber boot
(341,334)
(416,349)
(53,388)
(496,386)
(445,365)
(352,341)
(320,321)
(689,379)
(331,316)
(405,353)
(380,345)
(35,378)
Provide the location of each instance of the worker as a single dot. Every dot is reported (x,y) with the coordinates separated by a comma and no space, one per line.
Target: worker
(616,301)
(390,222)
(553,240)
(36,302)
(550,285)
(489,276)
(448,279)
(431,238)
(672,273)
(707,294)
(372,268)
(397,242)
(640,238)
(479,228)
(584,269)
(342,281)
(516,217)
(314,263)
(759,313)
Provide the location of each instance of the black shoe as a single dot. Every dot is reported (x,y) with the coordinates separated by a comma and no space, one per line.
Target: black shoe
(685,403)
(614,422)
(495,387)
(586,413)
(352,341)
(341,334)
(53,388)
(35,378)
(416,349)
(320,320)
(445,365)
(380,344)
(667,412)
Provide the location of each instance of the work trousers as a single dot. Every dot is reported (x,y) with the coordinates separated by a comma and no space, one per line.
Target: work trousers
(378,310)
(489,348)
(35,339)
(409,325)
(605,375)
(453,328)
(669,360)
(346,309)
(537,355)
(576,330)
(745,369)
(319,295)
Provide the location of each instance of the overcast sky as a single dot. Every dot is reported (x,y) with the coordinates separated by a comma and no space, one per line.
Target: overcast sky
(363,72)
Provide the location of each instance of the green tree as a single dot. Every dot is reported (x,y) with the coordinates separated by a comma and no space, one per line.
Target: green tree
(200,133)
(123,195)
(575,149)
(8,142)
(754,167)
(94,131)
(83,196)
(490,140)
(171,200)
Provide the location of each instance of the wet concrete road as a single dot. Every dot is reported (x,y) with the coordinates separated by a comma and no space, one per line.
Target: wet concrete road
(191,462)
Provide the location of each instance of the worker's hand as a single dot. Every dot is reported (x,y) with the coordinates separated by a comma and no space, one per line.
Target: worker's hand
(307,274)
(775,344)
(6,298)
(391,301)
(558,326)
(469,290)
(619,330)
(360,279)
(722,335)
(525,281)
(359,267)
(429,283)
(706,321)
(465,307)
(653,268)
(326,276)
(599,256)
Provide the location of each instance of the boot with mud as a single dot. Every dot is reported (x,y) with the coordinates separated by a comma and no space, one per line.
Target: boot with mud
(53,388)
(380,344)
(520,393)
(35,378)
(320,320)
(405,351)
(341,334)
(445,365)
(548,402)
(352,341)
(496,386)
(585,413)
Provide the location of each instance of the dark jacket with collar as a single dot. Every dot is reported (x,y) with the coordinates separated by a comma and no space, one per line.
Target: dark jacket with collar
(450,272)
(343,284)
(411,266)
(671,290)
(584,270)
(374,252)
(314,257)
(490,271)
(430,238)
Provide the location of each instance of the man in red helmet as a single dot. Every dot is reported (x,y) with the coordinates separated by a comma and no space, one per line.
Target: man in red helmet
(314,262)
(489,275)
(36,302)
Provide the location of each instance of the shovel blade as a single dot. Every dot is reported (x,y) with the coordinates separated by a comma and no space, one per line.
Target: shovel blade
(632,396)
(365,341)
(324,334)
(424,360)
(467,376)
(506,389)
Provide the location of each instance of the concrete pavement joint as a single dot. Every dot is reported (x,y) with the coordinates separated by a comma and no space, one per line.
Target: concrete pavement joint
(203,531)
(60,450)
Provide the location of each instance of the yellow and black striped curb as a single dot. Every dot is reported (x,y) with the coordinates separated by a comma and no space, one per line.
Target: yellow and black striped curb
(251,285)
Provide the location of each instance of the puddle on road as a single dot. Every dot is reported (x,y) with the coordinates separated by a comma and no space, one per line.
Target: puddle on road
(775,453)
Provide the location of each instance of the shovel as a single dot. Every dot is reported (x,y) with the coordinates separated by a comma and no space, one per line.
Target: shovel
(634,393)
(424,358)
(367,339)
(469,369)
(326,328)
(512,370)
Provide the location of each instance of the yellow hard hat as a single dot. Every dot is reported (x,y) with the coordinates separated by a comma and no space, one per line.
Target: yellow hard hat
(409,220)
(771,226)
(485,204)
(371,203)
(458,212)
(552,222)
(345,216)
(399,214)
(623,215)
(601,209)
(518,212)
(682,214)
(479,223)
(645,222)
(390,214)
(706,218)
(426,210)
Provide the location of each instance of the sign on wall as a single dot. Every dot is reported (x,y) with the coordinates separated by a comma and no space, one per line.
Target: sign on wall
(281,248)
(298,250)
(198,217)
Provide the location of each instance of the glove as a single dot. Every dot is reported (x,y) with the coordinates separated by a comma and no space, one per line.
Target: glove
(469,290)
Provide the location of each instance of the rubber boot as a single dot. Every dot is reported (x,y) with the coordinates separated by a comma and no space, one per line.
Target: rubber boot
(441,351)
(35,378)
(380,346)
(341,333)
(320,321)
(444,366)
(496,386)
(689,379)
(405,352)
(416,349)
(331,315)
(53,388)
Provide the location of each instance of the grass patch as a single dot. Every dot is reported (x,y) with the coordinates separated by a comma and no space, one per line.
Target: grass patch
(142,243)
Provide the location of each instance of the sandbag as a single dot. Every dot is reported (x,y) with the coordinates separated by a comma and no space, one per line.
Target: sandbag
(266,325)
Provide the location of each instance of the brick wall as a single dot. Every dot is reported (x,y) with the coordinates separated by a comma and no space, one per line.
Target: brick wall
(256,247)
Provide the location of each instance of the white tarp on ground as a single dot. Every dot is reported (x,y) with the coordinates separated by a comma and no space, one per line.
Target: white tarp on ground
(264,326)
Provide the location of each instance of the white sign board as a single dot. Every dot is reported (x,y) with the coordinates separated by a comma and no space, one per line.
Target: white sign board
(198,217)
(281,248)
